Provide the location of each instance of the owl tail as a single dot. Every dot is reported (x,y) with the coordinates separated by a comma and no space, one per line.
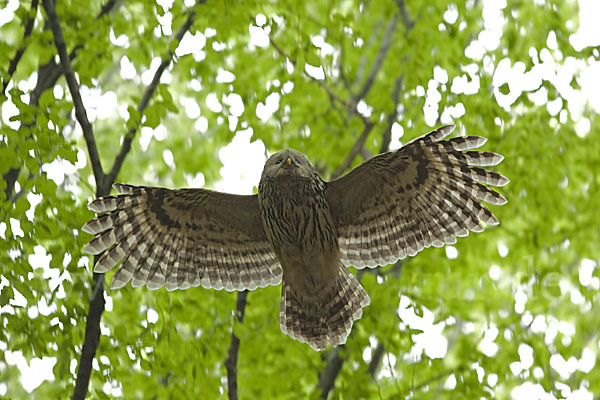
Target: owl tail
(329,319)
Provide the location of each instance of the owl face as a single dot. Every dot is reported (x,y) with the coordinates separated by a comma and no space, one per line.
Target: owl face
(288,162)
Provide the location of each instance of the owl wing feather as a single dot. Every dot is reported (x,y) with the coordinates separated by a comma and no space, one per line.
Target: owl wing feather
(181,238)
(424,194)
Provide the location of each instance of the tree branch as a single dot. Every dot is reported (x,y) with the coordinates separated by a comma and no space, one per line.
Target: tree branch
(381,54)
(342,73)
(280,50)
(384,47)
(92,337)
(80,112)
(330,372)
(234,347)
(48,74)
(15,61)
(350,106)
(130,135)
(106,8)
(362,64)
(376,357)
(92,331)
(406,19)
(324,85)
(11,176)
(436,378)
(358,145)
(335,362)
(92,327)
(387,134)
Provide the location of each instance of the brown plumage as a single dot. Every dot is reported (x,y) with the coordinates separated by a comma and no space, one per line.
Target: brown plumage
(300,228)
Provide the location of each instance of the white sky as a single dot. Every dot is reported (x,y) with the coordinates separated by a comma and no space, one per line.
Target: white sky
(244,158)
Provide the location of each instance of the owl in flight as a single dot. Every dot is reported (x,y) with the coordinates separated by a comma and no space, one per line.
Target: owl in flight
(300,230)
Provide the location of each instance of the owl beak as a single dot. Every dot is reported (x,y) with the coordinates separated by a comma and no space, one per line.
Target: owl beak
(289,163)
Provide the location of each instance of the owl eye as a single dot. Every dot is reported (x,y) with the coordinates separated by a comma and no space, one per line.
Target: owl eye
(278,161)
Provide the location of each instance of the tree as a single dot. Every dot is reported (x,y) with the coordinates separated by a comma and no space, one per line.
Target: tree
(498,314)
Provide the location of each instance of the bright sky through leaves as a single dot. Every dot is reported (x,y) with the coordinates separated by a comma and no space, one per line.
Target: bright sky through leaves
(244,156)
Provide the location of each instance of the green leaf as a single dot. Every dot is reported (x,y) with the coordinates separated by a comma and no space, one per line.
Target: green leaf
(536,272)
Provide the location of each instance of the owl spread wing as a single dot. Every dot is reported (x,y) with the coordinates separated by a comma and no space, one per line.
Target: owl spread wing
(424,194)
(181,238)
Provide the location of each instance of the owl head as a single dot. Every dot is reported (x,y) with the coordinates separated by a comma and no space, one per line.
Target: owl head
(288,162)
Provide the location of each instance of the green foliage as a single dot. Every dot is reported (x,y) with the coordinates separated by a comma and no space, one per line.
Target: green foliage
(513,287)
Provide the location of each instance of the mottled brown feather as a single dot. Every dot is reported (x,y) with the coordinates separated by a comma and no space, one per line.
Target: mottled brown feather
(182,238)
(424,194)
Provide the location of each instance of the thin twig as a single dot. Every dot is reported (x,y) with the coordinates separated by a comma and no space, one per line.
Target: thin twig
(436,378)
(80,112)
(381,54)
(362,64)
(234,347)
(148,93)
(15,61)
(332,94)
(350,106)
(163,381)
(384,47)
(319,82)
(342,73)
(280,50)
(376,358)
(406,19)
(13,199)
(387,134)
(358,145)
(106,9)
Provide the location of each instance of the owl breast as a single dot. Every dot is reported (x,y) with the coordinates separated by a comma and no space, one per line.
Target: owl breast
(298,224)
(295,213)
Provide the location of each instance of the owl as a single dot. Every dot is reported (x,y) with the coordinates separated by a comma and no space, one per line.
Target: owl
(300,230)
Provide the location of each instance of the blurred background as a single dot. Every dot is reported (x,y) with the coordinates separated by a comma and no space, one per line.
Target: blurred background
(198,94)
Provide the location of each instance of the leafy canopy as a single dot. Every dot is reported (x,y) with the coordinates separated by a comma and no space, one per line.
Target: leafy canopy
(505,312)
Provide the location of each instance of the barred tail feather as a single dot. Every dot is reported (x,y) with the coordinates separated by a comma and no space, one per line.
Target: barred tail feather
(329,319)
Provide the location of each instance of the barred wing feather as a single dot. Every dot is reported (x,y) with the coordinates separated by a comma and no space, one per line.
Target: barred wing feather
(426,193)
(181,238)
